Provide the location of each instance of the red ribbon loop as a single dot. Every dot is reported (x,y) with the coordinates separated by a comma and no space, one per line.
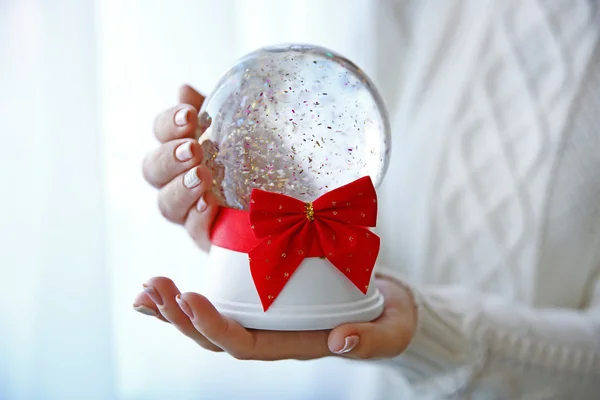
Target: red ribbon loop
(288,230)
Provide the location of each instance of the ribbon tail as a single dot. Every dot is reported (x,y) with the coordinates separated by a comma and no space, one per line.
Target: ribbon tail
(352,250)
(275,259)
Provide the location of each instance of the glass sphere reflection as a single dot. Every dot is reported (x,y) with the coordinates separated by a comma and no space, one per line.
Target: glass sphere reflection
(293,119)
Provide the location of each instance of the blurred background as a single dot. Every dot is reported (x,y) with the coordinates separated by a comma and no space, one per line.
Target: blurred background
(80,84)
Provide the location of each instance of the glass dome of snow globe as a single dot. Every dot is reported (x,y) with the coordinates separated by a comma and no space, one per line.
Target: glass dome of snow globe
(299,120)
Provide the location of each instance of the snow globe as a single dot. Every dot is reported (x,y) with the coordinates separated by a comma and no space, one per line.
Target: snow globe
(297,139)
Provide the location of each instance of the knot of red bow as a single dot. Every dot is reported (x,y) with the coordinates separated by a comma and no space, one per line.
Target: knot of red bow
(287,230)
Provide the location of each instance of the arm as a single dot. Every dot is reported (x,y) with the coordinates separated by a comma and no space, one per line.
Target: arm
(465,339)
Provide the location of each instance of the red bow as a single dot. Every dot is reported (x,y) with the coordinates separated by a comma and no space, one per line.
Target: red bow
(280,231)
(334,223)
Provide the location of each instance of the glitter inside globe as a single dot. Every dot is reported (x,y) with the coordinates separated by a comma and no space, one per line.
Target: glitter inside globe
(293,119)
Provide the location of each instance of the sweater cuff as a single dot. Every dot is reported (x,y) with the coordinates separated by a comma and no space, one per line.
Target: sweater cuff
(440,355)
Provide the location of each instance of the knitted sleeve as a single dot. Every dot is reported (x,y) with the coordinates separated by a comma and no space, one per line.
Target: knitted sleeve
(466,342)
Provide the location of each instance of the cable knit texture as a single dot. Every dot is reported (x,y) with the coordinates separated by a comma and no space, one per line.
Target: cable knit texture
(491,205)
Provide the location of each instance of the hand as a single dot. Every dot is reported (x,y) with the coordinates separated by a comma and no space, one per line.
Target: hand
(194,316)
(184,195)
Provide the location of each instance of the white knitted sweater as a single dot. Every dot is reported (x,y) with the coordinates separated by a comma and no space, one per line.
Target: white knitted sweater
(491,206)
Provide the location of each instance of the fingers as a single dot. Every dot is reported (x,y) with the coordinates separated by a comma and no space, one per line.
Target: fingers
(251,344)
(144,305)
(177,197)
(179,121)
(189,95)
(162,291)
(171,159)
(176,123)
(198,319)
(223,332)
(387,336)
(200,219)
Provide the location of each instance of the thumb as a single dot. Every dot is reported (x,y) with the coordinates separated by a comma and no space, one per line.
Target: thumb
(387,336)
(369,340)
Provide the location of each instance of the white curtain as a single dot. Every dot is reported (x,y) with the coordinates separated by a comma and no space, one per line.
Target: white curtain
(80,83)
(55,329)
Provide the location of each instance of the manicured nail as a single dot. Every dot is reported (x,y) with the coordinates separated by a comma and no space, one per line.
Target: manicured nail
(153,294)
(201,204)
(181,117)
(145,310)
(191,179)
(184,151)
(184,306)
(350,343)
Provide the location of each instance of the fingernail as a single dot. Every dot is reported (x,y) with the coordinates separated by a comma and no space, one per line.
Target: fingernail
(184,306)
(184,151)
(153,294)
(145,310)
(350,343)
(181,117)
(191,179)
(201,204)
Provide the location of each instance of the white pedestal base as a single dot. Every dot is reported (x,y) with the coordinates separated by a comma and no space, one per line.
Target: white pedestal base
(316,297)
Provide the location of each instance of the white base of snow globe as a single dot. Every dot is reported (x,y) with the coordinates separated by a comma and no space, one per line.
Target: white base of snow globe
(316,297)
